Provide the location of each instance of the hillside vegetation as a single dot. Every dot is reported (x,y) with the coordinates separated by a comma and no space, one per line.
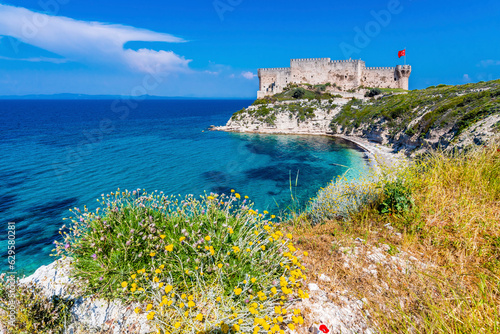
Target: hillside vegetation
(435,116)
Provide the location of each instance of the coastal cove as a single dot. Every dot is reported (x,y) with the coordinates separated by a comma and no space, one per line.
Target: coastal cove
(54,158)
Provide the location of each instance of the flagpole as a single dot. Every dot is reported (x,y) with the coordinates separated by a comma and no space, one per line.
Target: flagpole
(405,55)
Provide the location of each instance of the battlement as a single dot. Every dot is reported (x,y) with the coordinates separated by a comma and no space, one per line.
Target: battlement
(275,69)
(346,61)
(379,68)
(310,59)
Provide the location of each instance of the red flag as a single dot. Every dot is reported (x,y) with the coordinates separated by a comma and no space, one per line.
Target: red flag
(401,53)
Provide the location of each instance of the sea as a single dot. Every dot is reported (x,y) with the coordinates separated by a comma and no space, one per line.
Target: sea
(60,154)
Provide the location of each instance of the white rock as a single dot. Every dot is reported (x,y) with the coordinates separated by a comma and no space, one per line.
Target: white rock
(325,278)
(88,314)
(313,287)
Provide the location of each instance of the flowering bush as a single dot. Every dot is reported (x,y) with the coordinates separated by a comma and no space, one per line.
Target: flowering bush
(342,198)
(207,264)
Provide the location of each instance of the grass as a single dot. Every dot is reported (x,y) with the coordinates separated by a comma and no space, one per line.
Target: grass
(211,264)
(452,227)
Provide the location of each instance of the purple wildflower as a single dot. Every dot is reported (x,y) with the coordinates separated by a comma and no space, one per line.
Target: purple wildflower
(66,246)
(101,278)
(94,256)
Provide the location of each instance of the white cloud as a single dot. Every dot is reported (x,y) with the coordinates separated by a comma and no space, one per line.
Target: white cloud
(248,75)
(488,63)
(90,42)
(466,78)
(38,59)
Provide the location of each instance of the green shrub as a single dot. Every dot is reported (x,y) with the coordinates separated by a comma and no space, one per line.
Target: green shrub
(341,199)
(298,93)
(396,198)
(198,264)
(373,92)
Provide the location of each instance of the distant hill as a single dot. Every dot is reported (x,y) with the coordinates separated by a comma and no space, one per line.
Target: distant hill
(67,96)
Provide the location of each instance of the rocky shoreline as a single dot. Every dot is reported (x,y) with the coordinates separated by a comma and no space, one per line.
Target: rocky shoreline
(376,153)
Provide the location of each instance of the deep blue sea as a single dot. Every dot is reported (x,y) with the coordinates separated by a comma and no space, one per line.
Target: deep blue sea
(58,154)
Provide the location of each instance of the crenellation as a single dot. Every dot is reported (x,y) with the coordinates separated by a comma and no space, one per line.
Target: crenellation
(345,74)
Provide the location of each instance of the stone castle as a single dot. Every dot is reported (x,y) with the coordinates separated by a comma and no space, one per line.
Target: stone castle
(345,74)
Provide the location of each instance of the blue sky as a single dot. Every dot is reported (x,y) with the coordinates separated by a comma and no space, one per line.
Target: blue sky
(213,48)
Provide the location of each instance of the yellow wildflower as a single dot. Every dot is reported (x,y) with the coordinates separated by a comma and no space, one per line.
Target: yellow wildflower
(163,236)
(149,307)
(124,284)
(207,238)
(152,254)
(199,317)
(182,239)
(237,195)
(137,310)
(168,288)
(169,248)
(237,291)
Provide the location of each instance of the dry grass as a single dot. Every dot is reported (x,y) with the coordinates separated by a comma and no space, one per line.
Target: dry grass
(453,229)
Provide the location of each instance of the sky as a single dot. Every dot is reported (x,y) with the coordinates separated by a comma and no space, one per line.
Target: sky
(213,48)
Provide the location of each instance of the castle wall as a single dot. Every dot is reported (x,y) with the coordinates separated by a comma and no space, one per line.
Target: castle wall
(345,73)
(381,77)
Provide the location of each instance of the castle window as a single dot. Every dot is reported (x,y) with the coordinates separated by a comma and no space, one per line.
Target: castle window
(395,79)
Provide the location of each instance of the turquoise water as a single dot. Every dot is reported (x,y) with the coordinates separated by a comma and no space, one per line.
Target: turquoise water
(60,154)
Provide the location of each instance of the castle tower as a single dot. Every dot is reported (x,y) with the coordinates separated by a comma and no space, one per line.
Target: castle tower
(402,75)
